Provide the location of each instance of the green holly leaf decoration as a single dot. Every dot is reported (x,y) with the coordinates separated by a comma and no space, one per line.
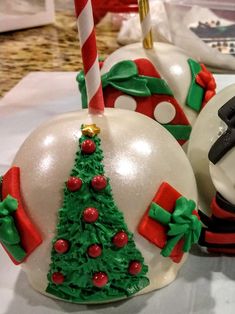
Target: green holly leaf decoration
(124,76)
(121,71)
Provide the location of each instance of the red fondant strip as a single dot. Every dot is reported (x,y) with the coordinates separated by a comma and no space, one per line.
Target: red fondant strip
(219,238)
(177,252)
(229,251)
(145,67)
(152,230)
(182,142)
(30,237)
(220,213)
(166,197)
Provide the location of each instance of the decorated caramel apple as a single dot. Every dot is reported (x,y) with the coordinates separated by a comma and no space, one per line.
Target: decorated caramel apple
(137,86)
(99,205)
(211,152)
(191,84)
(106,211)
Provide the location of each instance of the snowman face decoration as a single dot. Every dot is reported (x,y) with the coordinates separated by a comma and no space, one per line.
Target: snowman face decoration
(137,86)
(222,154)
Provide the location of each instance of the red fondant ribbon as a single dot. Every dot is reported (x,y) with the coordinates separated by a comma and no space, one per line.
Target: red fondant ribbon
(29,235)
(218,212)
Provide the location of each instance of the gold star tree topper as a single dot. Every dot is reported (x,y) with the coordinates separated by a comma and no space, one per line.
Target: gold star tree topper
(90,130)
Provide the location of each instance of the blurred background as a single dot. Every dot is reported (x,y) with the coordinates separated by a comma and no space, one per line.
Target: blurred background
(41,35)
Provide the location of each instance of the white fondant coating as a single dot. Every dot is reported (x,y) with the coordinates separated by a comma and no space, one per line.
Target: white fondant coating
(164,112)
(125,102)
(139,155)
(171,63)
(205,132)
(223,176)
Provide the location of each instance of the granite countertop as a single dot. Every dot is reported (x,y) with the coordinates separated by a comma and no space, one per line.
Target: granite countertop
(48,48)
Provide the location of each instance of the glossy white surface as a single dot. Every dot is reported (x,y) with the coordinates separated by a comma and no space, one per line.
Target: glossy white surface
(205,132)
(223,176)
(138,156)
(170,62)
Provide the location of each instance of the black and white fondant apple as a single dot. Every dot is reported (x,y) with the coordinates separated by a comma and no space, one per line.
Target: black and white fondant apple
(89,244)
(212,154)
(162,83)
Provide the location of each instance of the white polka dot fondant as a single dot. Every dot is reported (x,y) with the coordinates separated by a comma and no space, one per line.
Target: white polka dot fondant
(125,102)
(164,112)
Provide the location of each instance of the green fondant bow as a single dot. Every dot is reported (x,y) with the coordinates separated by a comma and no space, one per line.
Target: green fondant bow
(182,223)
(124,77)
(9,235)
(196,92)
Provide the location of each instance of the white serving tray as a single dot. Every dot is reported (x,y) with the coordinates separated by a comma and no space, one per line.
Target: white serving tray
(205,285)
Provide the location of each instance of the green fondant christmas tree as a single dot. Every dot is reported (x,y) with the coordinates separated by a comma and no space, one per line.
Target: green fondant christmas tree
(94,257)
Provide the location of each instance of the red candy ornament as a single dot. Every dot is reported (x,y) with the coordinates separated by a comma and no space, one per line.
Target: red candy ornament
(88,147)
(57,278)
(99,183)
(74,184)
(90,214)
(61,246)
(135,268)
(100,279)
(94,250)
(120,239)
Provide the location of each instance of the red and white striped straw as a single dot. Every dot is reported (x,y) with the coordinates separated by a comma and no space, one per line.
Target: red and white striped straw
(85,23)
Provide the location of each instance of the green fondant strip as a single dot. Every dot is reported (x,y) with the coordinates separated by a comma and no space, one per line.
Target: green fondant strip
(180,132)
(134,86)
(158,213)
(195,92)
(124,76)
(9,235)
(171,243)
(76,266)
(82,87)
(158,86)
(120,71)
(182,224)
